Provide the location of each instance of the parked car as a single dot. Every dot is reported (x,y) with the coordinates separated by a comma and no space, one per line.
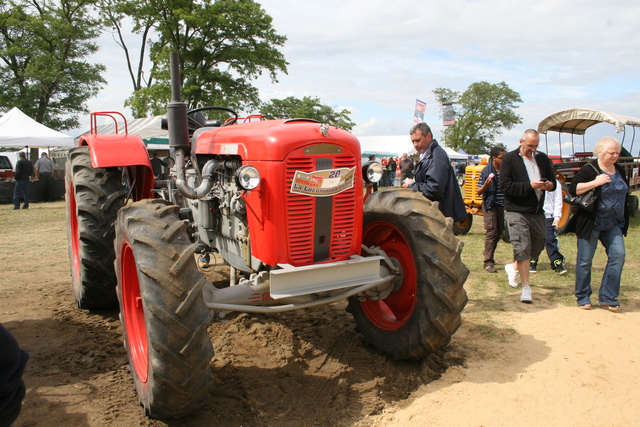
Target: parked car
(6,169)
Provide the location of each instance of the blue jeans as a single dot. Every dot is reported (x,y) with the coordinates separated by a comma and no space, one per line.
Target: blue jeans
(21,189)
(553,249)
(613,243)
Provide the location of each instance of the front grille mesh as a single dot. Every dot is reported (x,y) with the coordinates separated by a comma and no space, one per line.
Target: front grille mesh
(300,211)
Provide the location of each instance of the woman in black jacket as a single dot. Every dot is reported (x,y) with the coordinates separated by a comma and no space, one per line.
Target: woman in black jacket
(608,223)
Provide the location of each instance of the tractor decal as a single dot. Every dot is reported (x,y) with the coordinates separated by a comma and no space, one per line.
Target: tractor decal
(323,183)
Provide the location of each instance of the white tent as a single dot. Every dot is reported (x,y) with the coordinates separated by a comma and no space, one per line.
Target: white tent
(146,128)
(398,144)
(453,155)
(19,130)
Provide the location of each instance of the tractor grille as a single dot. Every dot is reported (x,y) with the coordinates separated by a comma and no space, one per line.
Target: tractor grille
(307,216)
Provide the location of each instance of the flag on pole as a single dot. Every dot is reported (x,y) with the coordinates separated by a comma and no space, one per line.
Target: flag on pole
(448,115)
(418,113)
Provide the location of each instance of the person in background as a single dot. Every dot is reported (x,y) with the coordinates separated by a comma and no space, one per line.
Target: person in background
(525,175)
(462,168)
(406,167)
(608,223)
(391,167)
(372,157)
(43,172)
(156,165)
(552,213)
(492,206)
(22,175)
(12,389)
(433,175)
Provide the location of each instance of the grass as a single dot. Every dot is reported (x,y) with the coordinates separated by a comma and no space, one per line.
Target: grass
(490,295)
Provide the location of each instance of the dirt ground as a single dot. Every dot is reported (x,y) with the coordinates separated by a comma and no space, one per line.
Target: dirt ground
(544,364)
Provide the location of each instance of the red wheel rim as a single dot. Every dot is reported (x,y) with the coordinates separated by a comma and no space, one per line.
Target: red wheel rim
(395,310)
(133,311)
(73,229)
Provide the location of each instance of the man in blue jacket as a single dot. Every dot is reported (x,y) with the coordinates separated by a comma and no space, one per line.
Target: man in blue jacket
(433,175)
(525,176)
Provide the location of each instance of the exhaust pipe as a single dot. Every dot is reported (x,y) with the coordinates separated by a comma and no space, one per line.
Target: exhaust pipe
(178,126)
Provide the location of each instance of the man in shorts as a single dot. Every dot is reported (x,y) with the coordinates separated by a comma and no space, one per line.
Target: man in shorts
(524,177)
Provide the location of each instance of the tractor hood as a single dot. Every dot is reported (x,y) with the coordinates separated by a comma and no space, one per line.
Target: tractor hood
(271,140)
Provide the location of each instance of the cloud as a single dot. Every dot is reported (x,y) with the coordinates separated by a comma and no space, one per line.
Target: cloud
(377,57)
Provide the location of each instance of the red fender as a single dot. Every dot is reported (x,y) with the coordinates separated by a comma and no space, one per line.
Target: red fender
(123,150)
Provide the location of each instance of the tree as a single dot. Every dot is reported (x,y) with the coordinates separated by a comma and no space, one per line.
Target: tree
(308,108)
(481,113)
(42,68)
(223,46)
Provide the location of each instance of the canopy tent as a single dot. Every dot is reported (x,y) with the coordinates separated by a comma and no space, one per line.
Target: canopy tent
(396,145)
(379,154)
(577,120)
(19,130)
(453,155)
(147,128)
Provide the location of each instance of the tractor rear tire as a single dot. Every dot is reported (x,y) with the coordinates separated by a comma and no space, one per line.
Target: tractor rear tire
(420,316)
(162,309)
(93,198)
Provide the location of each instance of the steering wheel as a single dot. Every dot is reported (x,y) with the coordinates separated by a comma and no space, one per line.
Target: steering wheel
(198,120)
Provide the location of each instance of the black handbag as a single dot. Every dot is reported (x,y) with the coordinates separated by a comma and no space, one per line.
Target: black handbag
(586,201)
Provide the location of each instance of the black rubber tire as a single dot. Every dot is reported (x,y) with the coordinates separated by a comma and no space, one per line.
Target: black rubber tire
(462,227)
(93,198)
(633,205)
(167,310)
(433,257)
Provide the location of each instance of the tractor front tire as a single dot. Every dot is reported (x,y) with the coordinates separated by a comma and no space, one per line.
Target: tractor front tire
(421,315)
(93,198)
(162,309)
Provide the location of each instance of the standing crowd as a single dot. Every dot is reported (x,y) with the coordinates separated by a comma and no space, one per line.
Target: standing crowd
(520,195)
(519,191)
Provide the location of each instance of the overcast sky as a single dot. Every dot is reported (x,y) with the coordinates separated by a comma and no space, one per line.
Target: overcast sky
(376,57)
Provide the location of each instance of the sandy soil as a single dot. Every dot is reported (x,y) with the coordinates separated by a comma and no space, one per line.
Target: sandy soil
(545,364)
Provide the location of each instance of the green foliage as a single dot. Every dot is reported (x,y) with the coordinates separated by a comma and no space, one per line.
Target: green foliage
(223,46)
(42,69)
(481,113)
(308,108)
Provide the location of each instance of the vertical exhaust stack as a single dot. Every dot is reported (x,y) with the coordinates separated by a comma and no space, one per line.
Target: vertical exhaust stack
(178,126)
(176,109)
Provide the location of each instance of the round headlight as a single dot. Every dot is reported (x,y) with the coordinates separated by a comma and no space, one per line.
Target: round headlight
(372,172)
(247,177)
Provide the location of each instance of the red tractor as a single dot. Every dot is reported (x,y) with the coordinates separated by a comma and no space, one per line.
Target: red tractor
(282,202)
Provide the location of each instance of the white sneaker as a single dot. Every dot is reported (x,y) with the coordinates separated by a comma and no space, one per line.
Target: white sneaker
(526,294)
(512,275)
